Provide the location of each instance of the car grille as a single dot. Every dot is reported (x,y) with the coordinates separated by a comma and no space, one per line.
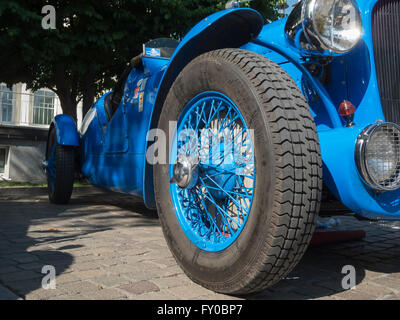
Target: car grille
(386,38)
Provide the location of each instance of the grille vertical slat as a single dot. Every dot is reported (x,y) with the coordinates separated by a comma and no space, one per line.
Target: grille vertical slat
(386,38)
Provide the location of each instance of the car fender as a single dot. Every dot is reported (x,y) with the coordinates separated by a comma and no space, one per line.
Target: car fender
(224,29)
(66,130)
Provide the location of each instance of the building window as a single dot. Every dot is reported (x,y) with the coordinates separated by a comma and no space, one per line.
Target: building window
(6,104)
(43,107)
(3,162)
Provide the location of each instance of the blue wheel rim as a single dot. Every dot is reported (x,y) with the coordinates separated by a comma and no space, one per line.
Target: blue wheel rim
(214,209)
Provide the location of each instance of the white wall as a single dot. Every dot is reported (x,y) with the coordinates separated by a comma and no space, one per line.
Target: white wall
(23,99)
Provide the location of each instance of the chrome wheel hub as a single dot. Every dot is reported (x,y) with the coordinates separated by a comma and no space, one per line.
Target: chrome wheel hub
(185,172)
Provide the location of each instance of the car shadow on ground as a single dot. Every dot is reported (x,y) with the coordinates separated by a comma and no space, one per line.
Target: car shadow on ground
(22,257)
(320,273)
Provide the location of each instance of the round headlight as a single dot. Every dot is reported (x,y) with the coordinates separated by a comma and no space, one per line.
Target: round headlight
(324,25)
(337,23)
(378,156)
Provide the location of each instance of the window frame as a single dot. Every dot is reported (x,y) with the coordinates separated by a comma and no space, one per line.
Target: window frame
(43,95)
(12,91)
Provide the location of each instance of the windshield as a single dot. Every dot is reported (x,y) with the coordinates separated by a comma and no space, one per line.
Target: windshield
(160,48)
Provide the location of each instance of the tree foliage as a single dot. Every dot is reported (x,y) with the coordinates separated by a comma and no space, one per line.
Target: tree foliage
(92,42)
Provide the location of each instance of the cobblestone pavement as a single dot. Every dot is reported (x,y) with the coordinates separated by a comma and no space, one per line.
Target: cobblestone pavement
(107,246)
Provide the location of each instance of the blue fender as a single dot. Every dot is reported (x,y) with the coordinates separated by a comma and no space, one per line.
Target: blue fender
(224,29)
(66,131)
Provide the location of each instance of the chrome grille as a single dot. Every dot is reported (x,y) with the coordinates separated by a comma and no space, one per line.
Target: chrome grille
(386,39)
(383,156)
(377,155)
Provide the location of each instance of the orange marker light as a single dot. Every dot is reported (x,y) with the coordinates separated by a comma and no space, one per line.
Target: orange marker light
(347,110)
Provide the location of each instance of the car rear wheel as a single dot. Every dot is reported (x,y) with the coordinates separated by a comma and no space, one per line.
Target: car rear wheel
(60,170)
(238,212)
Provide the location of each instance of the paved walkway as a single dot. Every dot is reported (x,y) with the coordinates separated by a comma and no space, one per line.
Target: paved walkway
(107,246)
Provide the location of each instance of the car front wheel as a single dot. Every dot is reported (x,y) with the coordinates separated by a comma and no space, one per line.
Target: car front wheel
(60,170)
(239,198)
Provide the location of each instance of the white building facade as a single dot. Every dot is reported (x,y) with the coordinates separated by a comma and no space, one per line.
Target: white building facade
(25,117)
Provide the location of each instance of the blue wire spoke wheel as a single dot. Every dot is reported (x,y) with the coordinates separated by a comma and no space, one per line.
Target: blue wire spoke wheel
(214,208)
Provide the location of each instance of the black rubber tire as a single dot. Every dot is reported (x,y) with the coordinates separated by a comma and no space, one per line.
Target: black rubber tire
(65,170)
(288,173)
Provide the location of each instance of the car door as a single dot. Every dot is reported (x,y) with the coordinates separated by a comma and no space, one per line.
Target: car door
(115,135)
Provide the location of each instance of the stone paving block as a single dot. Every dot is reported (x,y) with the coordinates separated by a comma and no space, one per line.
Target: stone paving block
(106,262)
(313,291)
(79,287)
(7,294)
(101,250)
(374,287)
(388,282)
(8,269)
(141,275)
(331,285)
(70,297)
(121,269)
(139,287)
(110,281)
(84,266)
(24,287)
(108,294)
(7,263)
(43,294)
(33,266)
(131,259)
(157,295)
(171,282)
(162,263)
(19,276)
(89,274)
(281,296)
(354,295)
(22,257)
(66,278)
(219,296)
(189,292)
(171,271)
(88,258)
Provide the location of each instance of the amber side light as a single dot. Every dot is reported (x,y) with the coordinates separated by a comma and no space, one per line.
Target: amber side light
(346,111)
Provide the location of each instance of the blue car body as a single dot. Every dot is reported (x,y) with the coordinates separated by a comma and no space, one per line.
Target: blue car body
(113,153)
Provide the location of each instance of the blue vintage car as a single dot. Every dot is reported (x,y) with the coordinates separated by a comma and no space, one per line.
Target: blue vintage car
(232,133)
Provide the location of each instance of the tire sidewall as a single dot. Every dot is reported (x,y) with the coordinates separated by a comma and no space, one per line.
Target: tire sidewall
(223,268)
(52,141)
(64,158)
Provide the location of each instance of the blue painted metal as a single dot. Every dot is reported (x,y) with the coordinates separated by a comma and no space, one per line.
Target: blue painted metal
(203,209)
(66,132)
(353,78)
(114,153)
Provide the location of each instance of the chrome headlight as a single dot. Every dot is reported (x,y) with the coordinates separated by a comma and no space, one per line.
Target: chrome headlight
(325,25)
(378,155)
